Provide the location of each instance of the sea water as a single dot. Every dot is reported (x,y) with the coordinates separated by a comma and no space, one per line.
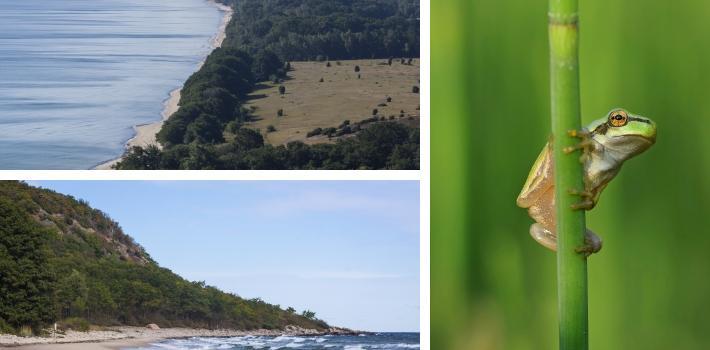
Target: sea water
(77,75)
(363,342)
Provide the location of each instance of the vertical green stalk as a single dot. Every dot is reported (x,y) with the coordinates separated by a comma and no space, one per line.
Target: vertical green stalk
(564,88)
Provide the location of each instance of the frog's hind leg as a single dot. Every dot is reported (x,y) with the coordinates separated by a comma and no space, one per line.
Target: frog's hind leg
(544,236)
(592,242)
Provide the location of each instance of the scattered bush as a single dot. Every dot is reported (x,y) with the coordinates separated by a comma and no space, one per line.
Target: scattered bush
(314,132)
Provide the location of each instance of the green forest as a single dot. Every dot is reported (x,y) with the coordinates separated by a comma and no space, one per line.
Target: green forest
(63,261)
(208,132)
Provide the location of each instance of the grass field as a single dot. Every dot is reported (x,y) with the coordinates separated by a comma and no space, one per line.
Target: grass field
(309,103)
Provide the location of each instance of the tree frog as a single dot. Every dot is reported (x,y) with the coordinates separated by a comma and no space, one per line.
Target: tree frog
(606,143)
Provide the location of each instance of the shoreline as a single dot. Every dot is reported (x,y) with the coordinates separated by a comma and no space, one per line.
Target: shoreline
(145,133)
(125,337)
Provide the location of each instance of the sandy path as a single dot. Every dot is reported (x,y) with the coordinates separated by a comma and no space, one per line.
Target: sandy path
(145,133)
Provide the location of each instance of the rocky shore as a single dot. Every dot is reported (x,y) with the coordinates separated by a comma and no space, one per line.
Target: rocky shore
(149,334)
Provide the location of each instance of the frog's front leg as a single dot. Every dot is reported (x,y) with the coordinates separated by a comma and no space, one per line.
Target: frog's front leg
(587,146)
(592,242)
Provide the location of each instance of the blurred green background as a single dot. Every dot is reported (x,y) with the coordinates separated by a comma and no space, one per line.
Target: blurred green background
(492,286)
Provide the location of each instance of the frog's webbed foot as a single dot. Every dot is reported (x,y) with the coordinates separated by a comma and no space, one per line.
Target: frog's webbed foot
(547,238)
(587,202)
(586,144)
(592,244)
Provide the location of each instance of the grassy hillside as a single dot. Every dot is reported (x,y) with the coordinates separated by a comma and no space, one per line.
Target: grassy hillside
(61,260)
(210,127)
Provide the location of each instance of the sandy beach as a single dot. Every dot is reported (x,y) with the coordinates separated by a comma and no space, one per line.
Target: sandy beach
(126,337)
(145,133)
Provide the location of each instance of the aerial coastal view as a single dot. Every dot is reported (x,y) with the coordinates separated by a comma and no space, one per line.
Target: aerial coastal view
(223,84)
(209,265)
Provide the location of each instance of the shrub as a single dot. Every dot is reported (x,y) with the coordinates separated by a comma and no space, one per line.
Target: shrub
(280,112)
(270,128)
(374,111)
(282,89)
(415,89)
(389,99)
(344,124)
(327,64)
(74,323)
(314,132)
(389,61)
(357,69)
(321,80)
(358,76)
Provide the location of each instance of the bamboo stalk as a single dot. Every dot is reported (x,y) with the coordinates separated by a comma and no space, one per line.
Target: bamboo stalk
(565,103)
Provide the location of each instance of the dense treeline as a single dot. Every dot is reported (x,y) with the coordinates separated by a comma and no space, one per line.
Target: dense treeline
(298,30)
(384,145)
(207,132)
(61,260)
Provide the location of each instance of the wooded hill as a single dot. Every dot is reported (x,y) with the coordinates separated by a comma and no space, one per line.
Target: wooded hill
(207,132)
(61,260)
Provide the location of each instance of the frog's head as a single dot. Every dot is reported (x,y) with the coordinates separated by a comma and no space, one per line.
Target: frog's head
(623,133)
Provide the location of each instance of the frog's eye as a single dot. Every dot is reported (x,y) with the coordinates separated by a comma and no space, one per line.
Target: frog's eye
(618,118)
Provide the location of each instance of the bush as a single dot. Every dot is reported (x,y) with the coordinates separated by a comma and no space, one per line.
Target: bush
(282,89)
(375,111)
(321,80)
(270,128)
(74,323)
(389,99)
(280,112)
(314,132)
(327,64)
(357,69)
(415,89)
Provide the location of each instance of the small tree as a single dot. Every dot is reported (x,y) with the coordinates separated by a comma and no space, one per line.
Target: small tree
(374,111)
(309,314)
(389,61)
(291,310)
(327,64)
(357,69)
(282,90)
(280,112)
(389,99)
(321,80)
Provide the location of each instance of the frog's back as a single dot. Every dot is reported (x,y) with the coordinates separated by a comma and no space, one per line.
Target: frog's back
(538,193)
(540,178)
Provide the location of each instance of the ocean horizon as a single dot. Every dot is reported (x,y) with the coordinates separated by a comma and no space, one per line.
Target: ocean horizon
(383,340)
(78,75)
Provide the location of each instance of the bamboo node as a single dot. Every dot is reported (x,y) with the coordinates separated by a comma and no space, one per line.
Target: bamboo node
(563,18)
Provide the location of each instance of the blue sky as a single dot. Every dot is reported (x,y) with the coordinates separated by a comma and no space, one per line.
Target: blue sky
(348,250)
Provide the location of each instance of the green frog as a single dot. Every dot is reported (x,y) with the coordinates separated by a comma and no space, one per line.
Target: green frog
(606,143)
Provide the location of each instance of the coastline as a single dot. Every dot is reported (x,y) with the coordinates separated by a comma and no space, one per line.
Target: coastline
(126,337)
(145,133)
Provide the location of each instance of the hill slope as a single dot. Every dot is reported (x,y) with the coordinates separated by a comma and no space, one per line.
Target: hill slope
(61,259)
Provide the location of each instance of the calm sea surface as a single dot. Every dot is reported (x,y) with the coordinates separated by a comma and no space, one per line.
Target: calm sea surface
(394,341)
(77,75)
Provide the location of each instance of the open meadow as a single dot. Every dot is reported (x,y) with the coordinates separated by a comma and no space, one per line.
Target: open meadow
(309,103)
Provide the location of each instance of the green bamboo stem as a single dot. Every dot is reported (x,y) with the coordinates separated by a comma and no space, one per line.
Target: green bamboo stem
(565,103)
